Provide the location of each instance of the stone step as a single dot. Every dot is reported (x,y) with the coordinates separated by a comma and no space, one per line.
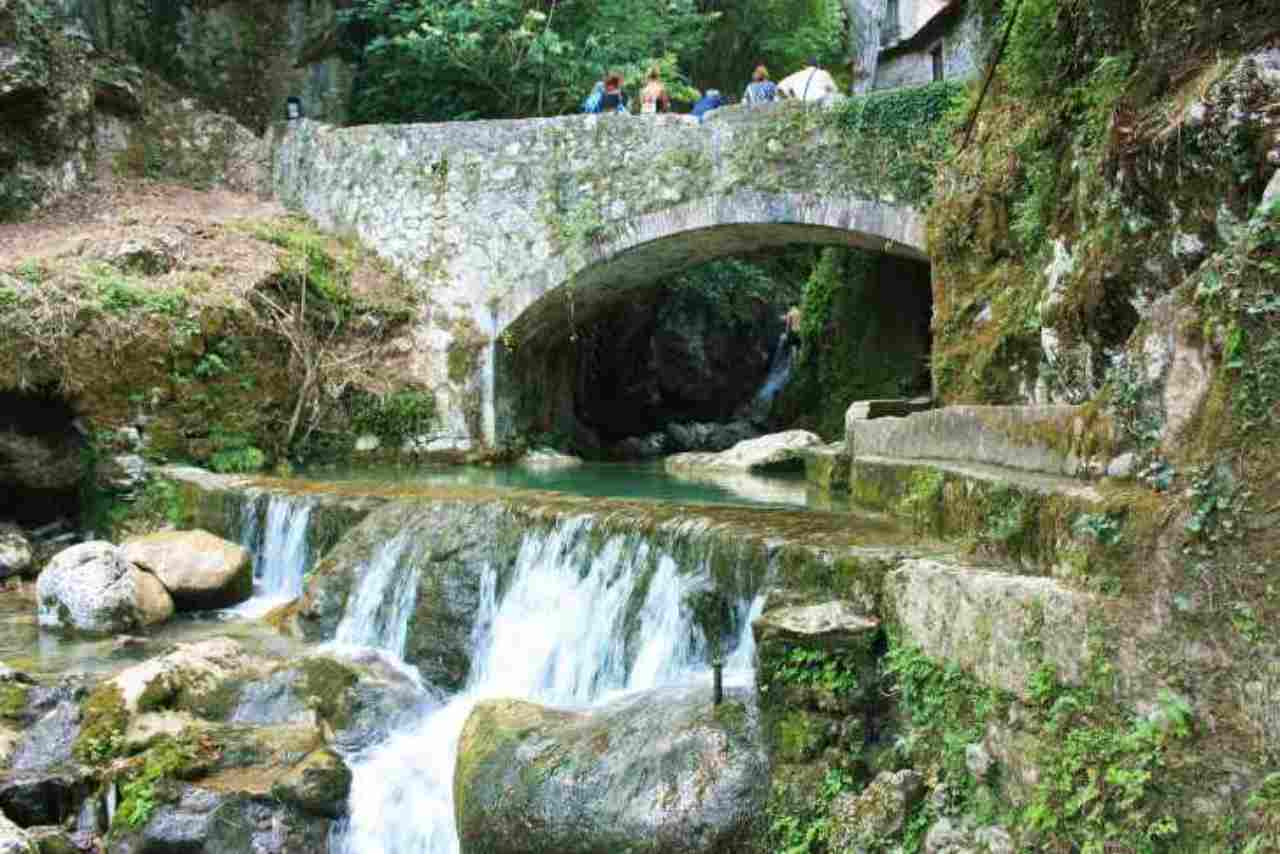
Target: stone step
(867,468)
(894,407)
(1000,628)
(1056,440)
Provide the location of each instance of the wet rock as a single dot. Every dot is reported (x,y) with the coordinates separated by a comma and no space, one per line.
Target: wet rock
(47,742)
(187,678)
(877,812)
(44,797)
(199,570)
(55,840)
(121,473)
(361,697)
(978,760)
(15,552)
(319,784)
(224,822)
(92,588)
(445,548)
(828,466)
(548,458)
(776,451)
(13,840)
(834,624)
(662,771)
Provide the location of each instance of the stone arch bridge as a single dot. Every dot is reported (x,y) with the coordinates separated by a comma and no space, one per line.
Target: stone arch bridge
(516,231)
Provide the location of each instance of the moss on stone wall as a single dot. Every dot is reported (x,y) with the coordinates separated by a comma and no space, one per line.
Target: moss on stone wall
(864,334)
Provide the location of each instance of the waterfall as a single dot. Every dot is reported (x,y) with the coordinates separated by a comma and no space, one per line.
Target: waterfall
(558,635)
(779,373)
(277,538)
(378,614)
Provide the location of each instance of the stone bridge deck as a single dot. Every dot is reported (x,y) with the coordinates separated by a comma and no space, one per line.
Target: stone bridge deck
(492,219)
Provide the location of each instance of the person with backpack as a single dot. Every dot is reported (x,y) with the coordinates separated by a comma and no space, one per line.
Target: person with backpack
(761,90)
(708,102)
(810,83)
(614,99)
(591,104)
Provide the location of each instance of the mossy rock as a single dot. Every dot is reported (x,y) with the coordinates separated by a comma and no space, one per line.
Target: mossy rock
(662,771)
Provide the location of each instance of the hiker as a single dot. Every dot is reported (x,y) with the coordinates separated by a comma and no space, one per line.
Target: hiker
(708,102)
(653,97)
(761,90)
(810,83)
(613,101)
(791,320)
(591,104)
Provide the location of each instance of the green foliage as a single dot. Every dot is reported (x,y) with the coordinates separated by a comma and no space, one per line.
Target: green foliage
(433,60)
(13,700)
(922,501)
(138,795)
(1132,400)
(1100,777)
(1103,528)
(118,293)
(104,718)
(818,668)
(781,34)
(395,417)
(896,139)
(732,288)
(236,454)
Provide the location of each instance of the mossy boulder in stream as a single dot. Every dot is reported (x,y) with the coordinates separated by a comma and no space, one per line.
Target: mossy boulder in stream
(662,771)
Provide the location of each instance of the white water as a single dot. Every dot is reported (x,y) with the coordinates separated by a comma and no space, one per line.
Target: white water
(280,549)
(378,615)
(779,373)
(556,637)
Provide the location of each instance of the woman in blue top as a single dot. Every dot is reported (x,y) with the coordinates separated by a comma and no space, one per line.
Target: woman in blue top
(761,89)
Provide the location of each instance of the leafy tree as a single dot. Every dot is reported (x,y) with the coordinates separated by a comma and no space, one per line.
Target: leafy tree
(434,60)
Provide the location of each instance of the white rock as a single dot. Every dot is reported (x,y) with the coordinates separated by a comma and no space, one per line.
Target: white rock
(92,588)
(775,449)
(366,443)
(1122,466)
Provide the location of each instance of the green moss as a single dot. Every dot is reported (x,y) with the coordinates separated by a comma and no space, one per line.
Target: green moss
(329,683)
(13,700)
(104,720)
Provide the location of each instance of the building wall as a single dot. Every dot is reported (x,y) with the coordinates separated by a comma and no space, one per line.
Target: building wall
(961,57)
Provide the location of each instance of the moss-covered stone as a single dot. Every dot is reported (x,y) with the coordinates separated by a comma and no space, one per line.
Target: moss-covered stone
(104,720)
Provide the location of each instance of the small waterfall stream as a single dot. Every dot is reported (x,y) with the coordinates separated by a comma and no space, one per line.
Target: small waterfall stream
(278,538)
(558,636)
(775,380)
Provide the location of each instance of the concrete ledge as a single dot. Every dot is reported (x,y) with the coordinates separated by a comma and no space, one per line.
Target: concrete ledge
(827,466)
(1000,628)
(863,410)
(1012,436)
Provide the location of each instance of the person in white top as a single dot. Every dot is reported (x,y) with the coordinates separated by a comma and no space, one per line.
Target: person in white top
(810,83)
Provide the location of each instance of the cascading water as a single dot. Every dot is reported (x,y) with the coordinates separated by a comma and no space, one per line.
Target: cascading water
(378,614)
(779,373)
(558,636)
(280,549)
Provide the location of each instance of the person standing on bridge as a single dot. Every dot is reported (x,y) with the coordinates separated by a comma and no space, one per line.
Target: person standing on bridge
(653,97)
(614,100)
(810,83)
(761,90)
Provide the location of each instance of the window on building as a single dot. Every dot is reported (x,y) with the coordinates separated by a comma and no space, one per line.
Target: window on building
(936,55)
(889,31)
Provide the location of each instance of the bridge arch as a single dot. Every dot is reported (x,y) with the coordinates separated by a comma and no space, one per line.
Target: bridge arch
(533,375)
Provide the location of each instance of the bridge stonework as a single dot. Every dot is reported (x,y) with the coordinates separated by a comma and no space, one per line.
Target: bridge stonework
(501,224)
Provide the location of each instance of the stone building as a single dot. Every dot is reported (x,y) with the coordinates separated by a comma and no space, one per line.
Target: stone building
(912,42)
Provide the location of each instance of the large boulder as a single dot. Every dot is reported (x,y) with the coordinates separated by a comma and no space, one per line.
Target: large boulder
(662,771)
(774,452)
(199,570)
(190,677)
(15,552)
(92,588)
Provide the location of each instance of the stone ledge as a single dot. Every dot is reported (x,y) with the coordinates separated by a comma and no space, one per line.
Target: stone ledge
(1006,436)
(1000,628)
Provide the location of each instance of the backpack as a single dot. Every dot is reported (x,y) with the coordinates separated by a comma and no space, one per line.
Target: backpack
(591,104)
